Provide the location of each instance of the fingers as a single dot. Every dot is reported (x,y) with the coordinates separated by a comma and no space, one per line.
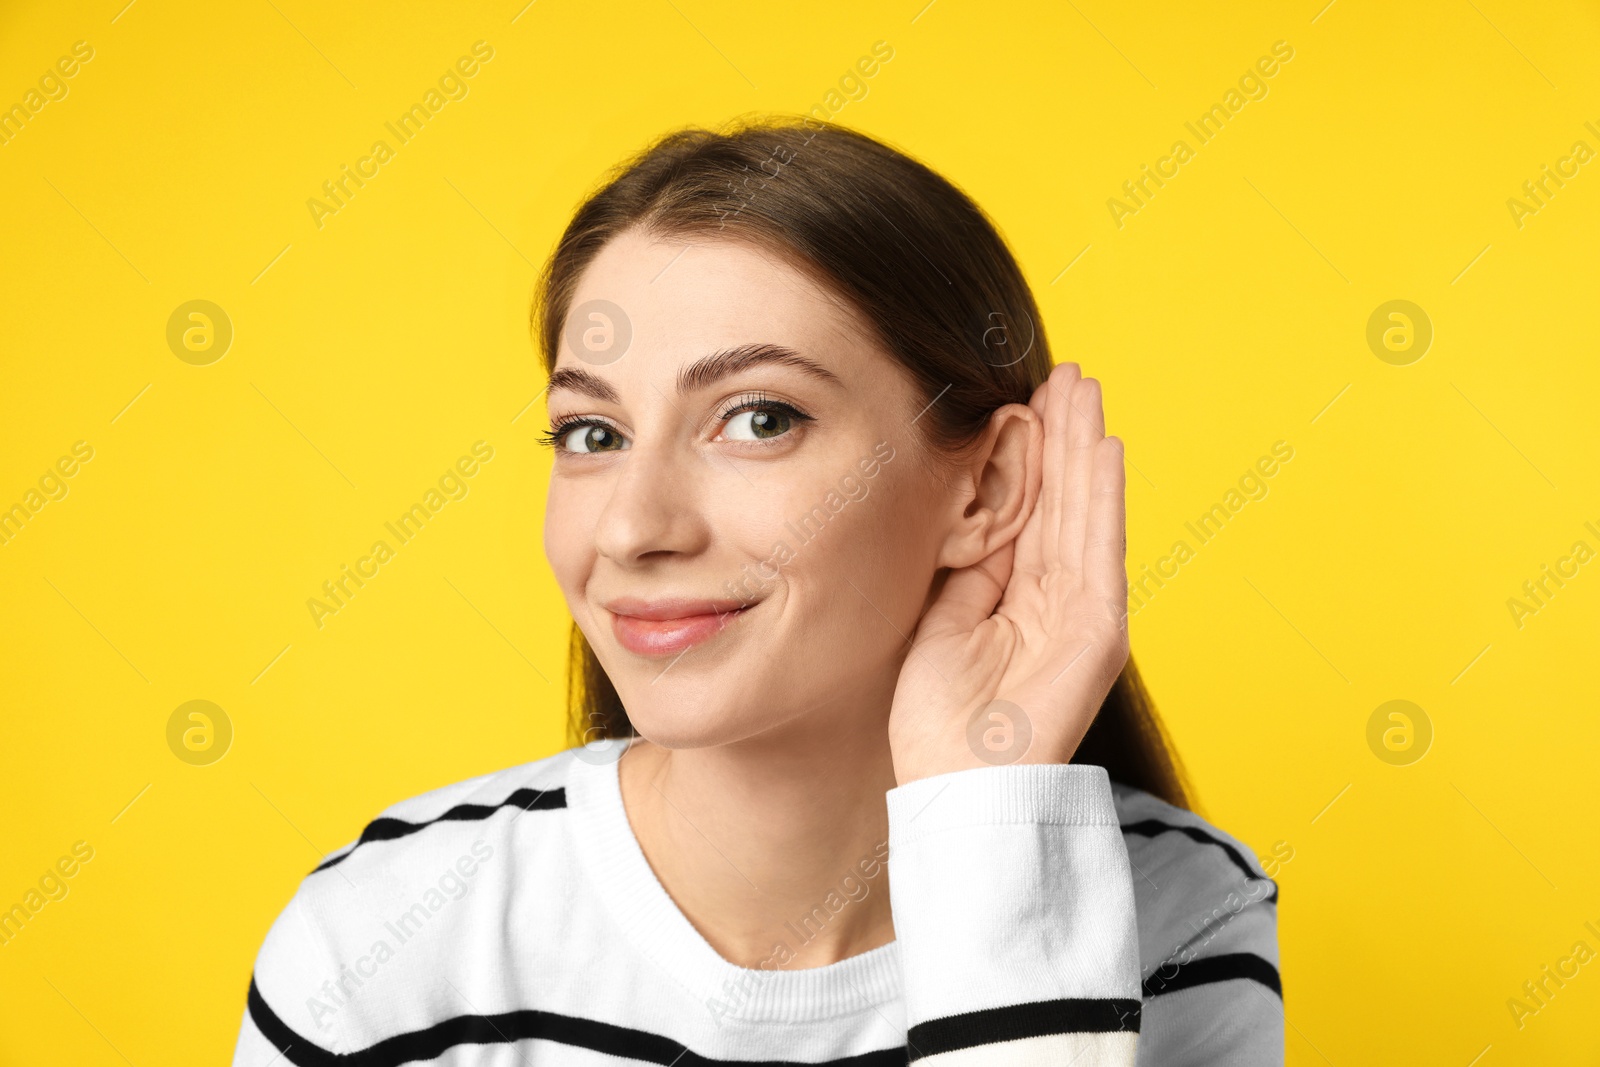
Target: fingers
(1030,542)
(1106,548)
(1053,396)
(1085,429)
(1041,394)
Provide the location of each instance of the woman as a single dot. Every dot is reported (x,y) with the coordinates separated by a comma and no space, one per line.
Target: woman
(870,775)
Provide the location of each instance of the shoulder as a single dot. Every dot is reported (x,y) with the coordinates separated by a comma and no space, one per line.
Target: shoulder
(1199,893)
(425,872)
(455,813)
(1197,854)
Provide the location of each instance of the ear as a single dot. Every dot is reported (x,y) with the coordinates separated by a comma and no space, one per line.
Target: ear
(998,489)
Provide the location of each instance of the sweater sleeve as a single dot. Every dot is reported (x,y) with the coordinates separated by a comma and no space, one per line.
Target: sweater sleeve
(1013,903)
(285,992)
(1217,999)
(1212,994)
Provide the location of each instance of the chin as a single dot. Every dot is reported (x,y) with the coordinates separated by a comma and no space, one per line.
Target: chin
(693,713)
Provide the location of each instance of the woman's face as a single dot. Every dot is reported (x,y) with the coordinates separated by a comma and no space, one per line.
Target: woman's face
(739,516)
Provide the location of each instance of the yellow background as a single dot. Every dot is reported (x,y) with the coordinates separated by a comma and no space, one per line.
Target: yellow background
(370,353)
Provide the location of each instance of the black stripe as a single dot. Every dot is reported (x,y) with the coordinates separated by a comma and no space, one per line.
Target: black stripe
(296,1049)
(523,1025)
(389,829)
(1210,969)
(973,1028)
(1153,827)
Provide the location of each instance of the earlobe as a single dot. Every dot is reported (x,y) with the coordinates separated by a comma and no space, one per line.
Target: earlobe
(1006,474)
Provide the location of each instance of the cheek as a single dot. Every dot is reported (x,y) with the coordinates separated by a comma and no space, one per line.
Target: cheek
(872,547)
(568,537)
(852,594)
(893,549)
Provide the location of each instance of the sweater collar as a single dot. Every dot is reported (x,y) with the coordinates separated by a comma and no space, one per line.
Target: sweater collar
(649,918)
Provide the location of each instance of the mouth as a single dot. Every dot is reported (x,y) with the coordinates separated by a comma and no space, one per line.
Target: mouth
(670,627)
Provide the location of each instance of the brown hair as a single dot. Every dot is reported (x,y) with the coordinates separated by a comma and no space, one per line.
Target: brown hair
(920,261)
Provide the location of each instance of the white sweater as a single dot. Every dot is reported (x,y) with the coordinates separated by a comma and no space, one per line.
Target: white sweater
(1043,915)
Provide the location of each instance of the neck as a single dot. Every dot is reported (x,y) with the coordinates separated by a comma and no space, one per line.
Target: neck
(773,847)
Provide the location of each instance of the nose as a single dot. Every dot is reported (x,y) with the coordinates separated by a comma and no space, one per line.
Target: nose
(654,508)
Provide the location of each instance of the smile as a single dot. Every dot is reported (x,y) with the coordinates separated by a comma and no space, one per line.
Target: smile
(668,627)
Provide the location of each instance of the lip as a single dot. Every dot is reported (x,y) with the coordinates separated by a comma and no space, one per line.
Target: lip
(670,626)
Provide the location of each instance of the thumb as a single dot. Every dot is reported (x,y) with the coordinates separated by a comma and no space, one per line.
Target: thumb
(969,596)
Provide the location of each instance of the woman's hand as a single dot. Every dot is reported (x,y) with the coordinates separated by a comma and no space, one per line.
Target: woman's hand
(1015,655)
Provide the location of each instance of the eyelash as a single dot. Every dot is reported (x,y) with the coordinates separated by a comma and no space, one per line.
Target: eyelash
(553,437)
(759,401)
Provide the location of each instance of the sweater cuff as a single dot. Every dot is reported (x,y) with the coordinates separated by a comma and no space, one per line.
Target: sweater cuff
(1061,794)
(1013,905)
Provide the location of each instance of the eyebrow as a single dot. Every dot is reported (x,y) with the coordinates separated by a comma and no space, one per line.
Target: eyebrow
(702,373)
(730,361)
(585,383)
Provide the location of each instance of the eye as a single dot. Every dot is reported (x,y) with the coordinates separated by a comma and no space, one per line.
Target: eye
(758,425)
(760,419)
(585,436)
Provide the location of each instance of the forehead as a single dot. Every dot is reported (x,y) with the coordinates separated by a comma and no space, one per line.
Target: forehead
(685,297)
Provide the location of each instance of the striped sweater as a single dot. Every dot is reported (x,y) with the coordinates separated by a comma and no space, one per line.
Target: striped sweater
(1042,914)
